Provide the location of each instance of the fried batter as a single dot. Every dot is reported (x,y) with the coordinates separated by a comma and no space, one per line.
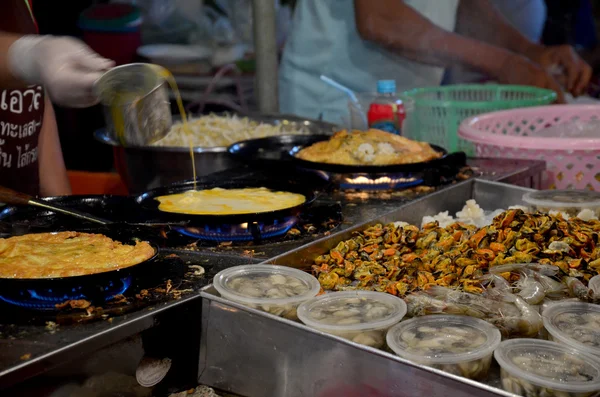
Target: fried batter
(372,147)
(67,254)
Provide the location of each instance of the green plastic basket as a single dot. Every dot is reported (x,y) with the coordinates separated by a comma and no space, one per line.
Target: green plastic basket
(438,111)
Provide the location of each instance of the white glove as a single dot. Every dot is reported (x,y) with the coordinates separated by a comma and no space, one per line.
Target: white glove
(66,67)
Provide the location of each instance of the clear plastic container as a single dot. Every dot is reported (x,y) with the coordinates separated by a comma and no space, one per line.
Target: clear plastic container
(360,316)
(533,367)
(277,290)
(574,203)
(575,324)
(460,345)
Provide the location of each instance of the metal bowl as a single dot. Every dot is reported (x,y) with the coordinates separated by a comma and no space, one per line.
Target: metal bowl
(144,168)
(143,120)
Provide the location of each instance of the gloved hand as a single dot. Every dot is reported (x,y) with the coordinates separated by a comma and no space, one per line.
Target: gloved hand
(66,67)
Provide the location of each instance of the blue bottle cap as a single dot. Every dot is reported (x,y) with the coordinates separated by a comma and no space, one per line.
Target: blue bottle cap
(386,86)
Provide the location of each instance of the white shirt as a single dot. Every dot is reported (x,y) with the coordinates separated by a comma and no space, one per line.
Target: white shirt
(324,40)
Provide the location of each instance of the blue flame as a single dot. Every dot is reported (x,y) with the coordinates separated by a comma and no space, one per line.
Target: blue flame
(47,299)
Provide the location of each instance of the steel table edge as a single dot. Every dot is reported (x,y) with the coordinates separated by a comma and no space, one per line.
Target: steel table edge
(45,362)
(207,296)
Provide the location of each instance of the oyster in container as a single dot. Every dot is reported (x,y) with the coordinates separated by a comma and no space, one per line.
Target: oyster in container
(575,324)
(541,368)
(277,290)
(360,316)
(460,345)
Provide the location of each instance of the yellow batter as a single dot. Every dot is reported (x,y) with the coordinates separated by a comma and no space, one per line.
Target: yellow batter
(219,201)
(67,254)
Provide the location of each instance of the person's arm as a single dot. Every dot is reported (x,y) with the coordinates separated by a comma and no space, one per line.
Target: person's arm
(53,174)
(65,66)
(400,28)
(479,19)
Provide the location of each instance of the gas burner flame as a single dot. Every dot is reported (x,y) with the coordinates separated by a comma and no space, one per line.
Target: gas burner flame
(253,231)
(377,182)
(383,180)
(48,298)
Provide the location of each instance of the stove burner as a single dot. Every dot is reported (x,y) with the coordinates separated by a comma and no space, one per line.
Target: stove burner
(48,298)
(377,182)
(374,181)
(254,231)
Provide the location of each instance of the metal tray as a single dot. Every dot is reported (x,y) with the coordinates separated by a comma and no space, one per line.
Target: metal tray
(249,352)
(489,195)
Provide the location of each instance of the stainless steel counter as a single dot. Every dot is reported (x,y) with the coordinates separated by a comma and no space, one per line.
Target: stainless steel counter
(253,353)
(29,350)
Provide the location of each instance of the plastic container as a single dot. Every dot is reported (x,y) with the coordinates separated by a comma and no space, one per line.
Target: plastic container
(360,316)
(575,324)
(571,163)
(460,345)
(103,25)
(386,112)
(440,110)
(277,290)
(533,367)
(569,202)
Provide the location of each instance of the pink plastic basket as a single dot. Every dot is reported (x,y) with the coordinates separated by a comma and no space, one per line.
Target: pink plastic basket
(570,163)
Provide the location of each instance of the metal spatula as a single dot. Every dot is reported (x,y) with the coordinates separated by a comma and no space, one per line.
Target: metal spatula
(12,197)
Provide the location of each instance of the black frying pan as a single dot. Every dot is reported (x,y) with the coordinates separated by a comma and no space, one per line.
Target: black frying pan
(281,151)
(370,169)
(309,185)
(273,151)
(92,287)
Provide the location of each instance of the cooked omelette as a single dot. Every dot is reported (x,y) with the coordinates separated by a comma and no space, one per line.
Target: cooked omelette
(372,147)
(219,201)
(67,254)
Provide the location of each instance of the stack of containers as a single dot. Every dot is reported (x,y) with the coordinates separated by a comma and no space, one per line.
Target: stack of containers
(567,365)
(112,30)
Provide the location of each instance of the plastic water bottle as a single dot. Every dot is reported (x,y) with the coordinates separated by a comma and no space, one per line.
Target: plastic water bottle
(387,110)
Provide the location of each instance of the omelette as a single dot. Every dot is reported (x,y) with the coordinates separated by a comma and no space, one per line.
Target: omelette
(372,147)
(67,254)
(219,201)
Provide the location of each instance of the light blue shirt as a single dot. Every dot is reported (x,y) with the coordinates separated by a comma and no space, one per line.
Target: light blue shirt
(324,40)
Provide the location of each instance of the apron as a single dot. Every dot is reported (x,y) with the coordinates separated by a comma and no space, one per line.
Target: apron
(21,113)
(324,40)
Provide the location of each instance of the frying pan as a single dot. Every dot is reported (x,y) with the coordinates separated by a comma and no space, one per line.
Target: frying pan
(281,151)
(307,184)
(9,196)
(91,287)
(371,169)
(273,151)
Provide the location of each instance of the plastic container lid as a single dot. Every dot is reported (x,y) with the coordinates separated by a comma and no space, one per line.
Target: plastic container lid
(386,86)
(320,312)
(483,336)
(574,324)
(528,359)
(563,198)
(116,18)
(225,280)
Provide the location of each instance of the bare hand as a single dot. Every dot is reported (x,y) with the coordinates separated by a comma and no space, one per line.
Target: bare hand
(521,71)
(574,72)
